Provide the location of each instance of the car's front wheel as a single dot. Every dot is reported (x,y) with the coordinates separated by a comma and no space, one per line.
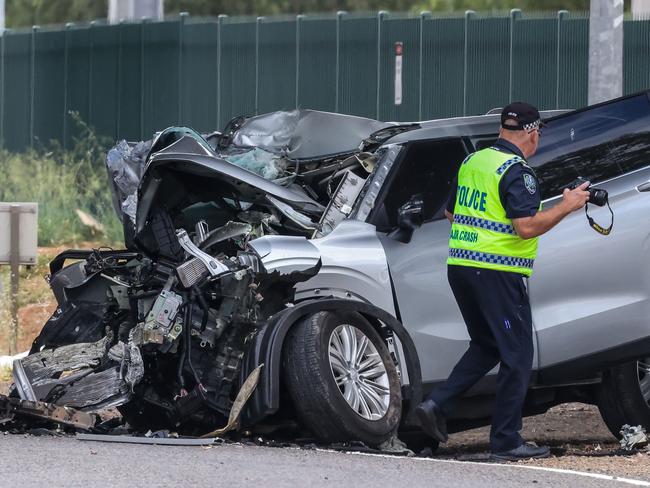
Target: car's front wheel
(624,396)
(342,379)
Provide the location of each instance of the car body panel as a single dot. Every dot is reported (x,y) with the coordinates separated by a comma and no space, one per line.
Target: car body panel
(589,292)
(354,264)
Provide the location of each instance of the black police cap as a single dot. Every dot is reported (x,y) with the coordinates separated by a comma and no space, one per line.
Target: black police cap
(525,116)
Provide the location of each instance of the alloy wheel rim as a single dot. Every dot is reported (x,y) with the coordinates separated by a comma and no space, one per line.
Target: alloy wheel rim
(643,371)
(359,372)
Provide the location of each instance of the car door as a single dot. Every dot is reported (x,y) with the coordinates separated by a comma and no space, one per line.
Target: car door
(418,270)
(590,294)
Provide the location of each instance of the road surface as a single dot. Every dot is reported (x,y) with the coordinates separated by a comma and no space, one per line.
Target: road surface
(67,462)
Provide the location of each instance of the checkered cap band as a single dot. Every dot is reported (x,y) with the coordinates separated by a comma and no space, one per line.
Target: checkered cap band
(484,224)
(532,125)
(483,257)
(501,169)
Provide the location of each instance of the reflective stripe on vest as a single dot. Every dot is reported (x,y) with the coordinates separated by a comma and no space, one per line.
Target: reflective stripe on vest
(491,258)
(485,224)
(481,234)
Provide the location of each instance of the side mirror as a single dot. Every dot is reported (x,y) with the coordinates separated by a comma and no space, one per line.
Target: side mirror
(409,218)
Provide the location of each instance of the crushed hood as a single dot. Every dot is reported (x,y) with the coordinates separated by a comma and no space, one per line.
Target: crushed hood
(302,134)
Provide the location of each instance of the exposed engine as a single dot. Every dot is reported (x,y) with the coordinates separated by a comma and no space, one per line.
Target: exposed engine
(161,340)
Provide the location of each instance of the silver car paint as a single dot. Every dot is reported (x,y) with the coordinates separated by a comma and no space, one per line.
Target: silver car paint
(285,254)
(354,262)
(590,293)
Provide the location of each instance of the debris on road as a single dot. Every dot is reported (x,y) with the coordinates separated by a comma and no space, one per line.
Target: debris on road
(633,437)
(10,408)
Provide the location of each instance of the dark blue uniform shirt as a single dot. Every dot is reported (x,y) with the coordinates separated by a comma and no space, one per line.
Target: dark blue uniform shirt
(518,188)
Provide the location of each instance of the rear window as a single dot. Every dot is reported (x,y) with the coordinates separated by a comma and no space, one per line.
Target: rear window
(597,143)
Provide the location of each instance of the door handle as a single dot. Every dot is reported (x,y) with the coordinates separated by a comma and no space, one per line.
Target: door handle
(644,186)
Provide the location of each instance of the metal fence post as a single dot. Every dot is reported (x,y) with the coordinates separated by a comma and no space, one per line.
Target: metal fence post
(423,16)
(220,21)
(380,18)
(91,49)
(181,25)
(339,18)
(32,84)
(515,13)
(14,262)
(66,61)
(257,62)
(560,16)
(299,19)
(468,15)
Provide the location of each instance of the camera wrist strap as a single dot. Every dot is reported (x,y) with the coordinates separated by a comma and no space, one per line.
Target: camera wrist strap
(594,225)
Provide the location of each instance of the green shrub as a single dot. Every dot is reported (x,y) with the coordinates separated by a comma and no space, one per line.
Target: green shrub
(63,182)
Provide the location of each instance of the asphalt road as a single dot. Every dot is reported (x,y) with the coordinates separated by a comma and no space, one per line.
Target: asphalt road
(27,461)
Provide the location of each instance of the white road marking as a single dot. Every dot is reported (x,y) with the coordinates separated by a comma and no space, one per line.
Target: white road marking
(513,465)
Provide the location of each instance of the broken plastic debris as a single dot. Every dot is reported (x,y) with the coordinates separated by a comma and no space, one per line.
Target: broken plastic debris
(633,437)
(125,165)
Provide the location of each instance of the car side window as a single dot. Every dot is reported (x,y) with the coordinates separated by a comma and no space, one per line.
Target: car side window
(597,143)
(427,169)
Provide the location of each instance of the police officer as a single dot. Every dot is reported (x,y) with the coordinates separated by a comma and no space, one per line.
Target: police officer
(496,217)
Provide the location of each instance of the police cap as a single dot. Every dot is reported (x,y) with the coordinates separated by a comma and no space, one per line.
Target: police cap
(525,116)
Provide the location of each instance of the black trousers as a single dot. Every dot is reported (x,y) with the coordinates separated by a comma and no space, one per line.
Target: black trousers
(496,310)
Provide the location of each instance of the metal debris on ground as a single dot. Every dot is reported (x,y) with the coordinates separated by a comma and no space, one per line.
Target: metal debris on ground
(633,437)
(69,417)
(159,441)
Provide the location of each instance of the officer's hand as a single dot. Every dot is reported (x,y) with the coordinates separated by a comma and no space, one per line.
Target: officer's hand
(577,198)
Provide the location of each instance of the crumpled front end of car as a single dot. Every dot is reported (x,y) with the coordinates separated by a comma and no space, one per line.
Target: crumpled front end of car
(162,340)
(160,329)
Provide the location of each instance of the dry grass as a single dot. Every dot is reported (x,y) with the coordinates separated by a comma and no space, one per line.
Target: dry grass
(35,300)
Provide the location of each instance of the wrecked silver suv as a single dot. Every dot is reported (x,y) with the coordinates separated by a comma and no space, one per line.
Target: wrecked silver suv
(292,267)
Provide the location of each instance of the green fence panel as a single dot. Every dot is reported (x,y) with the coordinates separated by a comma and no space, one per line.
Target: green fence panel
(130,50)
(132,79)
(199,76)
(443,51)
(317,64)
(636,55)
(534,61)
(77,79)
(407,32)
(104,81)
(17,91)
(277,65)
(162,59)
(488,64)
(49,49)
(237,73)
(358,66)
(574,62)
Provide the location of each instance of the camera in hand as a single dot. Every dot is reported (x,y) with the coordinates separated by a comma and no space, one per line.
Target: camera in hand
(597,196)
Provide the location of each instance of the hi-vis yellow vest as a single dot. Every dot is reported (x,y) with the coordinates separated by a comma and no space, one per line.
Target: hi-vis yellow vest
(481,234)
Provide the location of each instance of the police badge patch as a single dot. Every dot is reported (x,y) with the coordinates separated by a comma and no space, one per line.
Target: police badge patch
(530,183)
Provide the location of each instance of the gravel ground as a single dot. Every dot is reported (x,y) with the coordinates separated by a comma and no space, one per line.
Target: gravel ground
(578,438)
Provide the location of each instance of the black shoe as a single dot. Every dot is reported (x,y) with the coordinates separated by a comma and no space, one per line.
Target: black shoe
(432,420)
(525,451)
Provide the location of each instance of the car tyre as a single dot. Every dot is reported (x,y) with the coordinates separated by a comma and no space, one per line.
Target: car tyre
(313,373)
(621,397)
